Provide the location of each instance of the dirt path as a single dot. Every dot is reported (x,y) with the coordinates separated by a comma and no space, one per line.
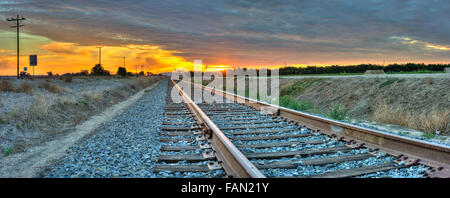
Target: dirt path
(32,162)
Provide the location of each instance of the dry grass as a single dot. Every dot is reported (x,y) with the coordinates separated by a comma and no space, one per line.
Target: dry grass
(6,86)
(55,114)
(93,96)
(25,88)
(67,79)
(54,88)
(60,109)
(376,71)
(142,82)
(430,80)
(33,115)
(429,122)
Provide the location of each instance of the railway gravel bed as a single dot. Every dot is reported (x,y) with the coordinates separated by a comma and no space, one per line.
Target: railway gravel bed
(159,138)
(280,148)
(126,146)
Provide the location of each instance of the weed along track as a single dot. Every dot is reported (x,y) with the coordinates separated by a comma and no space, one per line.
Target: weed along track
(238,140)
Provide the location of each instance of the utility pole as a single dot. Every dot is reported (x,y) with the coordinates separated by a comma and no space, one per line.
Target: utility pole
(100,55)
(18,19)
(124,62)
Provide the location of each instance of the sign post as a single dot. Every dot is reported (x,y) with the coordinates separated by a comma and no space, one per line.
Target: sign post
(33,61)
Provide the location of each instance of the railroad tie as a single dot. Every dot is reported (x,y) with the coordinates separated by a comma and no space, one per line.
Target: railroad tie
(270,137)
(258,131)
(176,133)
(176,139)
(181,168)
(253,127)
(181,128)
(279,144)
(273,155)
(359,171)
(313,162)
(177,148)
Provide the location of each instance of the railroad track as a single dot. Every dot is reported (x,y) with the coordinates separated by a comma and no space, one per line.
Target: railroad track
(238,140)
(184,148)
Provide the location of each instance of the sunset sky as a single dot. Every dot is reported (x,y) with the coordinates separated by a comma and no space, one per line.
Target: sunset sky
(162,35)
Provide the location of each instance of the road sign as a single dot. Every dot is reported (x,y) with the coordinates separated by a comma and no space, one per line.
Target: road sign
(33,60)
(25,68)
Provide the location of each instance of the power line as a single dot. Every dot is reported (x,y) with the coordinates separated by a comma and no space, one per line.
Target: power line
(18,25)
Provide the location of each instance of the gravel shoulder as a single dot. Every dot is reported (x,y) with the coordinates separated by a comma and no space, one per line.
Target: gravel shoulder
(126,146)
(34,160)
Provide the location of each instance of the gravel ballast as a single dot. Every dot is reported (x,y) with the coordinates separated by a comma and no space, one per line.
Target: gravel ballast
(126,146)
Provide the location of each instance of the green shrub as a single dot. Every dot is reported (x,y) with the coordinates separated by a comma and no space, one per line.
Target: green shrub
(429,135)
(337,112)
(7,151)
(390,81)
(291,103)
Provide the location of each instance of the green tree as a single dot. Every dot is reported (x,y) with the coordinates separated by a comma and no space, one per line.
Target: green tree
(98,70)
(122,71)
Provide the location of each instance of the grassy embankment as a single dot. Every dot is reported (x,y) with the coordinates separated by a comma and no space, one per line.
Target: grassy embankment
(402,102)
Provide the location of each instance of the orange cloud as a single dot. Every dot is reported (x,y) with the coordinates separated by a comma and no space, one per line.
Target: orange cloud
(426,45)
(64,48)
(437,47)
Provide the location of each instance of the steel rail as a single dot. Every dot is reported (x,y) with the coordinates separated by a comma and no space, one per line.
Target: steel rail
(234,162)
(411,150)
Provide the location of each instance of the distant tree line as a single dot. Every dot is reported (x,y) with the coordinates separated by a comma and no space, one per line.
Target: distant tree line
(289,70)
(361,68)
(98,70)
(409,67)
